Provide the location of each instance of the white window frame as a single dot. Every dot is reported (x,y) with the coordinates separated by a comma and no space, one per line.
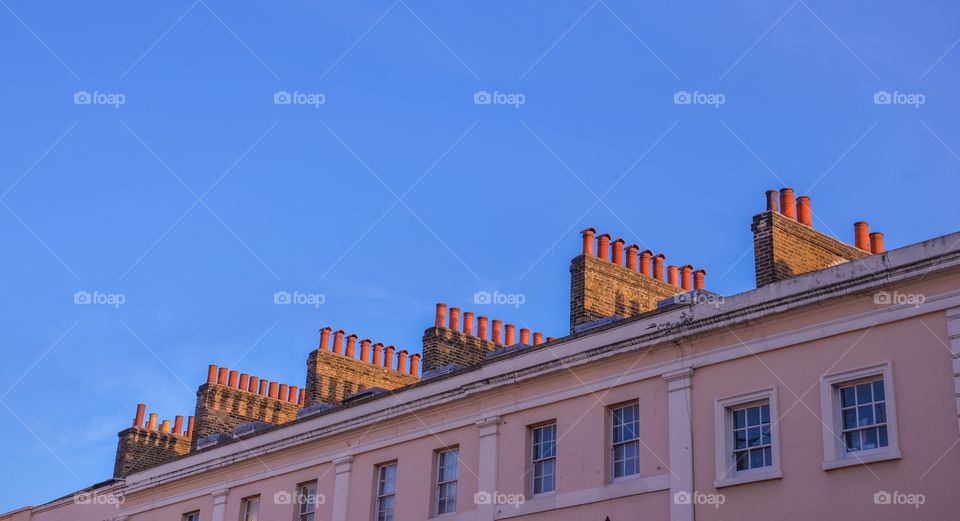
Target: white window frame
(610,432)
(726,472)
(245,514)
(378,496)
(533,462)
(305,506)
(439,484)
(834,451)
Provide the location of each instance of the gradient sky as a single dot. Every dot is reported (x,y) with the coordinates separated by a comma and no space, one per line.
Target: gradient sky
(198,198)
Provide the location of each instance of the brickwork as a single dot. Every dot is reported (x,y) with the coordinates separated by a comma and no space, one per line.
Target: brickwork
(784,248)
(221,408)
(331,377)
(443,346)
(600,288)
(140,449)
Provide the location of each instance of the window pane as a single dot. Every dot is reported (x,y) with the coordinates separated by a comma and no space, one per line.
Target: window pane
(878,393)
(753,437)
(883,436)
(849,418)
(742,462)
(768,456)
(880,412)
(765,435)
(847,397)
(869,439)
(765,414)
(863,394)
(740,439)
(852,440)
(756,459)
(865,415)
(753,416)
(739,419)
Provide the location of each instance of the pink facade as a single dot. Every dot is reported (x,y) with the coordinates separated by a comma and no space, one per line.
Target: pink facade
(793,346)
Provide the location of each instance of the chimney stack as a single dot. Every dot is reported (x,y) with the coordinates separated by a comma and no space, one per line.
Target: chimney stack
(222,376)
(189,432)
(876,242)
(524,336)
(497,336)
(178,425)
(378,354)
(212,374)
(252,387)
(388,357)
(511,335)
(338,342)
(402,360)
(152,422)
(244,381)
(537,338)
(698,277)
(274,390)
(165,426)
(232,382)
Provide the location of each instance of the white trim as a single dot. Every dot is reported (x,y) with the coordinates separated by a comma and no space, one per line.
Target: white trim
(680,428)
(341,487)
(726,475)
(834,452)
(489,432)
(547,502)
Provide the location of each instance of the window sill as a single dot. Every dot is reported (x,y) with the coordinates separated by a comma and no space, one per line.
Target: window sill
(748,478)
(861,459)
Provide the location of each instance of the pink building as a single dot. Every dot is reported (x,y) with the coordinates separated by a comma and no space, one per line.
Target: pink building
(828,392)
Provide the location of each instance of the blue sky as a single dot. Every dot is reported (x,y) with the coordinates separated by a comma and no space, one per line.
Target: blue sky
(198,197)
